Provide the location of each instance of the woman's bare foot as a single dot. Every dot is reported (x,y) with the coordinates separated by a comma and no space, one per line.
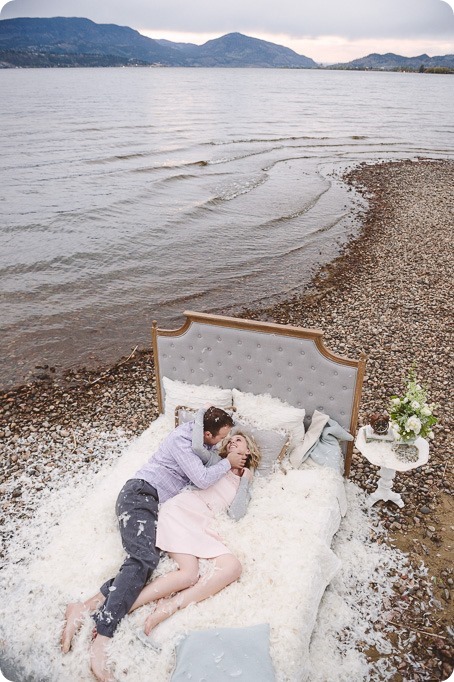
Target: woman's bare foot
(98,659)
(165,609)
(74,616)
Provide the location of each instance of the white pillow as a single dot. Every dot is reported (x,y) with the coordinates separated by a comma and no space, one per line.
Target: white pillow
(180,393)
(266,412)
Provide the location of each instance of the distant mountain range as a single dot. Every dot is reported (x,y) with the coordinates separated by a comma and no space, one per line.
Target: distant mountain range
(74,42)
(393,62)
(66,42)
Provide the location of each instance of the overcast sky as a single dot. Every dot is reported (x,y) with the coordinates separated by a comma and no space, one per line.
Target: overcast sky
(326,30)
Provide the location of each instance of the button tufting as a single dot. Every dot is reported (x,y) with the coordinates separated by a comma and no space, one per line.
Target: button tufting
(258,345)
(322,383)
(331,397)
(290,364)
(199,336)
(300,378)
(191,347)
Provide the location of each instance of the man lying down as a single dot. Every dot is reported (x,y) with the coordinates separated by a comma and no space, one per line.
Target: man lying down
(182,529)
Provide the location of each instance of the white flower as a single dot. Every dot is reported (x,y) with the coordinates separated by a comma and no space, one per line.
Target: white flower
(405,400)
(395,427)
(413,424)
(395,401)
(426,411)
(431,434)
(415,405)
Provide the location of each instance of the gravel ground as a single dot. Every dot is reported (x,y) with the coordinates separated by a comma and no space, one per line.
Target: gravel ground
(389,295)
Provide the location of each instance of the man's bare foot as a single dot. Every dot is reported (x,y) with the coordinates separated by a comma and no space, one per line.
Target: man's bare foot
(74,616)
(98,659)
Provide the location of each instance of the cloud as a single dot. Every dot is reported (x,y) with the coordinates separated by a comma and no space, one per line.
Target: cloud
(350,19)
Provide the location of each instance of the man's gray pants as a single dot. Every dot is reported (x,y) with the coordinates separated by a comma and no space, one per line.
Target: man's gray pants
(137,513)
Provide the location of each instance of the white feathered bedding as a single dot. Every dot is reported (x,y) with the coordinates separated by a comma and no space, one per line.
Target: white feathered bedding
(283,543)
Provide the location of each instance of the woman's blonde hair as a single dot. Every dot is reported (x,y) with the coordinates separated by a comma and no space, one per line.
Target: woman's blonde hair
(254,456)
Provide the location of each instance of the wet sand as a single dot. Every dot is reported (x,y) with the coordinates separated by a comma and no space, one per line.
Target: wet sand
(388,294)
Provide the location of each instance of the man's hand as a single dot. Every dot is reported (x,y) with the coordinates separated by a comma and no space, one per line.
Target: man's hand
(236,460)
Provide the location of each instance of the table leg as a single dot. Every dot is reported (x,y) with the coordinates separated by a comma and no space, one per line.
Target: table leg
(384,489)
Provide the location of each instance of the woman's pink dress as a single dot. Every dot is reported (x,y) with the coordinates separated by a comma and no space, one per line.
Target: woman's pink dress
(184,520)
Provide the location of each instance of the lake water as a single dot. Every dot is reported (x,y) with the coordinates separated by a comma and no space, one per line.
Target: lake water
(133,194)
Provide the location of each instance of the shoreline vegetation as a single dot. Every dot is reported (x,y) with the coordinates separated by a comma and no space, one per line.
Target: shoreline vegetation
(387,294)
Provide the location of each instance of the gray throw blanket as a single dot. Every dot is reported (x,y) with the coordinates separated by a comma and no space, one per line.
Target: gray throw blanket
(326,450)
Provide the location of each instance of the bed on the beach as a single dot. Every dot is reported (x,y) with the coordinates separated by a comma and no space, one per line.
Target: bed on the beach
(277,378)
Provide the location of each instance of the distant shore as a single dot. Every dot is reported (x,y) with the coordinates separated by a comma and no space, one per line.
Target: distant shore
(388,294)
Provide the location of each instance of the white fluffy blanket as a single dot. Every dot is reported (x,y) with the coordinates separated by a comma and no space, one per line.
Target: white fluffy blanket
(72,545)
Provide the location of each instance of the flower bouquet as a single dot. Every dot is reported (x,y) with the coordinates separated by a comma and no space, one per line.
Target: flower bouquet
(411,416)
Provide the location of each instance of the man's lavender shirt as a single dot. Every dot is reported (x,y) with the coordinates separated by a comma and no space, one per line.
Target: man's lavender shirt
(175,465)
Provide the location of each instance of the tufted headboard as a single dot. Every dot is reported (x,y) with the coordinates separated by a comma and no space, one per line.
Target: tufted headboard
(290,363)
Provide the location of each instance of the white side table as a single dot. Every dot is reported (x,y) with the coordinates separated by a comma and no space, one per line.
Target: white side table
(381,454)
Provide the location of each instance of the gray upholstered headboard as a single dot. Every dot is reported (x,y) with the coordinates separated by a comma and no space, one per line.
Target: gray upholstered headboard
(290,363)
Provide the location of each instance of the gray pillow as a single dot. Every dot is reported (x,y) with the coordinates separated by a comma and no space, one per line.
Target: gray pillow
(273,446)
(225,654)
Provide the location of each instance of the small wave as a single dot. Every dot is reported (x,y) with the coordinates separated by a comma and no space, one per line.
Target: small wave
(261,140)
(275,222)
(233,193)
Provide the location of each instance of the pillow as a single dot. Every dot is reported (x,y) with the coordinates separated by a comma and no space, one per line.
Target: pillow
(181,393)
(185,414)
(272,444)
(266,412)
(225,654)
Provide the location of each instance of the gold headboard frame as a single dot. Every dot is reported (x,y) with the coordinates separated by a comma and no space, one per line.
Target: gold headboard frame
(290,363)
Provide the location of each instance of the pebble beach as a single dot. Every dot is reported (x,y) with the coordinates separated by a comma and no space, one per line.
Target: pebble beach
(388,294)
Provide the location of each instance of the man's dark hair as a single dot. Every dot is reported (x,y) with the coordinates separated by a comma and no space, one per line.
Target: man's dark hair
(214,419)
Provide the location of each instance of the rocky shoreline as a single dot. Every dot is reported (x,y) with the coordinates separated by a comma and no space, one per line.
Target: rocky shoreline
(388,294)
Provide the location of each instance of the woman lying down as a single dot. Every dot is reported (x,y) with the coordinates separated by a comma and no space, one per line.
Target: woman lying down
(184,532)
